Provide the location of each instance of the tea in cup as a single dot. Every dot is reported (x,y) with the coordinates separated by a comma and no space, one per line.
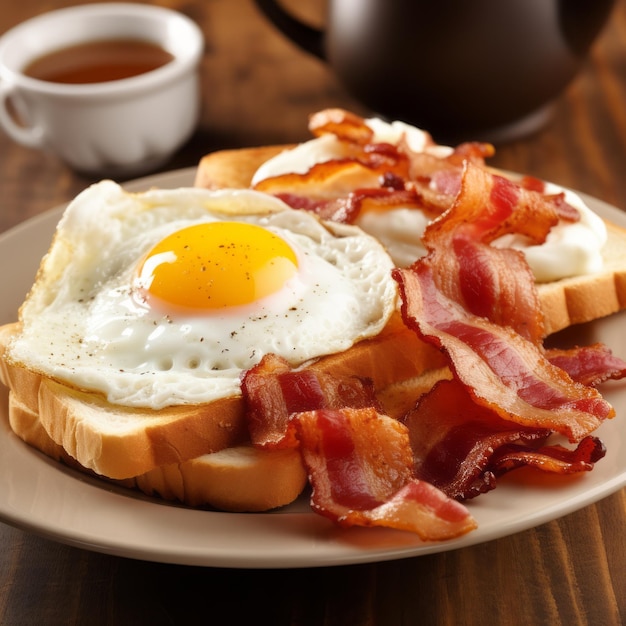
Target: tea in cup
(112,88)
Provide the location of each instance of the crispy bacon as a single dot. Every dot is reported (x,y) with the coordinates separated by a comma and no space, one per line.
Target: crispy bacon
(437,192)
(360,468)
(565,210)
(478,304)
(489,206)
(458,298)
(347,209)
(438,178)
(440,173)
(474,151)
(589,365)
(531,182)
(367,164)
(551,458)
(500,368)
(324,181)
(461,447)
(495,284)
(490,282)
(344,124)
(273,392)
(337,178)
(435,178)
(333,209)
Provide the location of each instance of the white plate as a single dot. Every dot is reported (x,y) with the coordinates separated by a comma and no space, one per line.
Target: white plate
(41,496)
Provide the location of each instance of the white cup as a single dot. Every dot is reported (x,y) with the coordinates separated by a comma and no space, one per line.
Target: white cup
(118,128)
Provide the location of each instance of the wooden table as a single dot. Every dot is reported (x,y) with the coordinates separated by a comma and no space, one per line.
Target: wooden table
(259,89)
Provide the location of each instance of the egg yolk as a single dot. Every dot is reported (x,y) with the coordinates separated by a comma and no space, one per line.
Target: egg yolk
(216,265)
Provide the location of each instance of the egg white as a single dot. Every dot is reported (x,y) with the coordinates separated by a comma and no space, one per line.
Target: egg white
(82,323)
(570,249)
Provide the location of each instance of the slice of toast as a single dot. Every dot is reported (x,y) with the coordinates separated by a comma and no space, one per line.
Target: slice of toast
(138,450)
(239,478)
(121,442)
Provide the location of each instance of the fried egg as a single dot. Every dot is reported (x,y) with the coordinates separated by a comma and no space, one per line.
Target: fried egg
(165,297)
(570,249)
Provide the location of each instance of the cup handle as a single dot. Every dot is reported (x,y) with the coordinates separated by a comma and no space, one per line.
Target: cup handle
(31,136)
(310,39)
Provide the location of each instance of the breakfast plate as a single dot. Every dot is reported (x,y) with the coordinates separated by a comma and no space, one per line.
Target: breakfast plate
(41,496)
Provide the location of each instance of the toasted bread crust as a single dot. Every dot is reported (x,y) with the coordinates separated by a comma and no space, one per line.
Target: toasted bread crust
(584,298)
(233,168)
(25,424)
(137,440)
(238,479)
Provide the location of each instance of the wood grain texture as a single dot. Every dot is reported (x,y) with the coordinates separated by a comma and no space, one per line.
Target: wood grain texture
(565,572)
(258,89)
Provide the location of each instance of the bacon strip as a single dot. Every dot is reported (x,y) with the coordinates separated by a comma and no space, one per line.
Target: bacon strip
(273,392)
(502,370)
(365,164)
(360,467)
(342,123)
(476,303)
(589,365)
(438,178)
(337,178)
(491,333)
(490,282)
(464,284)
(346,210)
(462,447)
(555,459)
(323,181)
